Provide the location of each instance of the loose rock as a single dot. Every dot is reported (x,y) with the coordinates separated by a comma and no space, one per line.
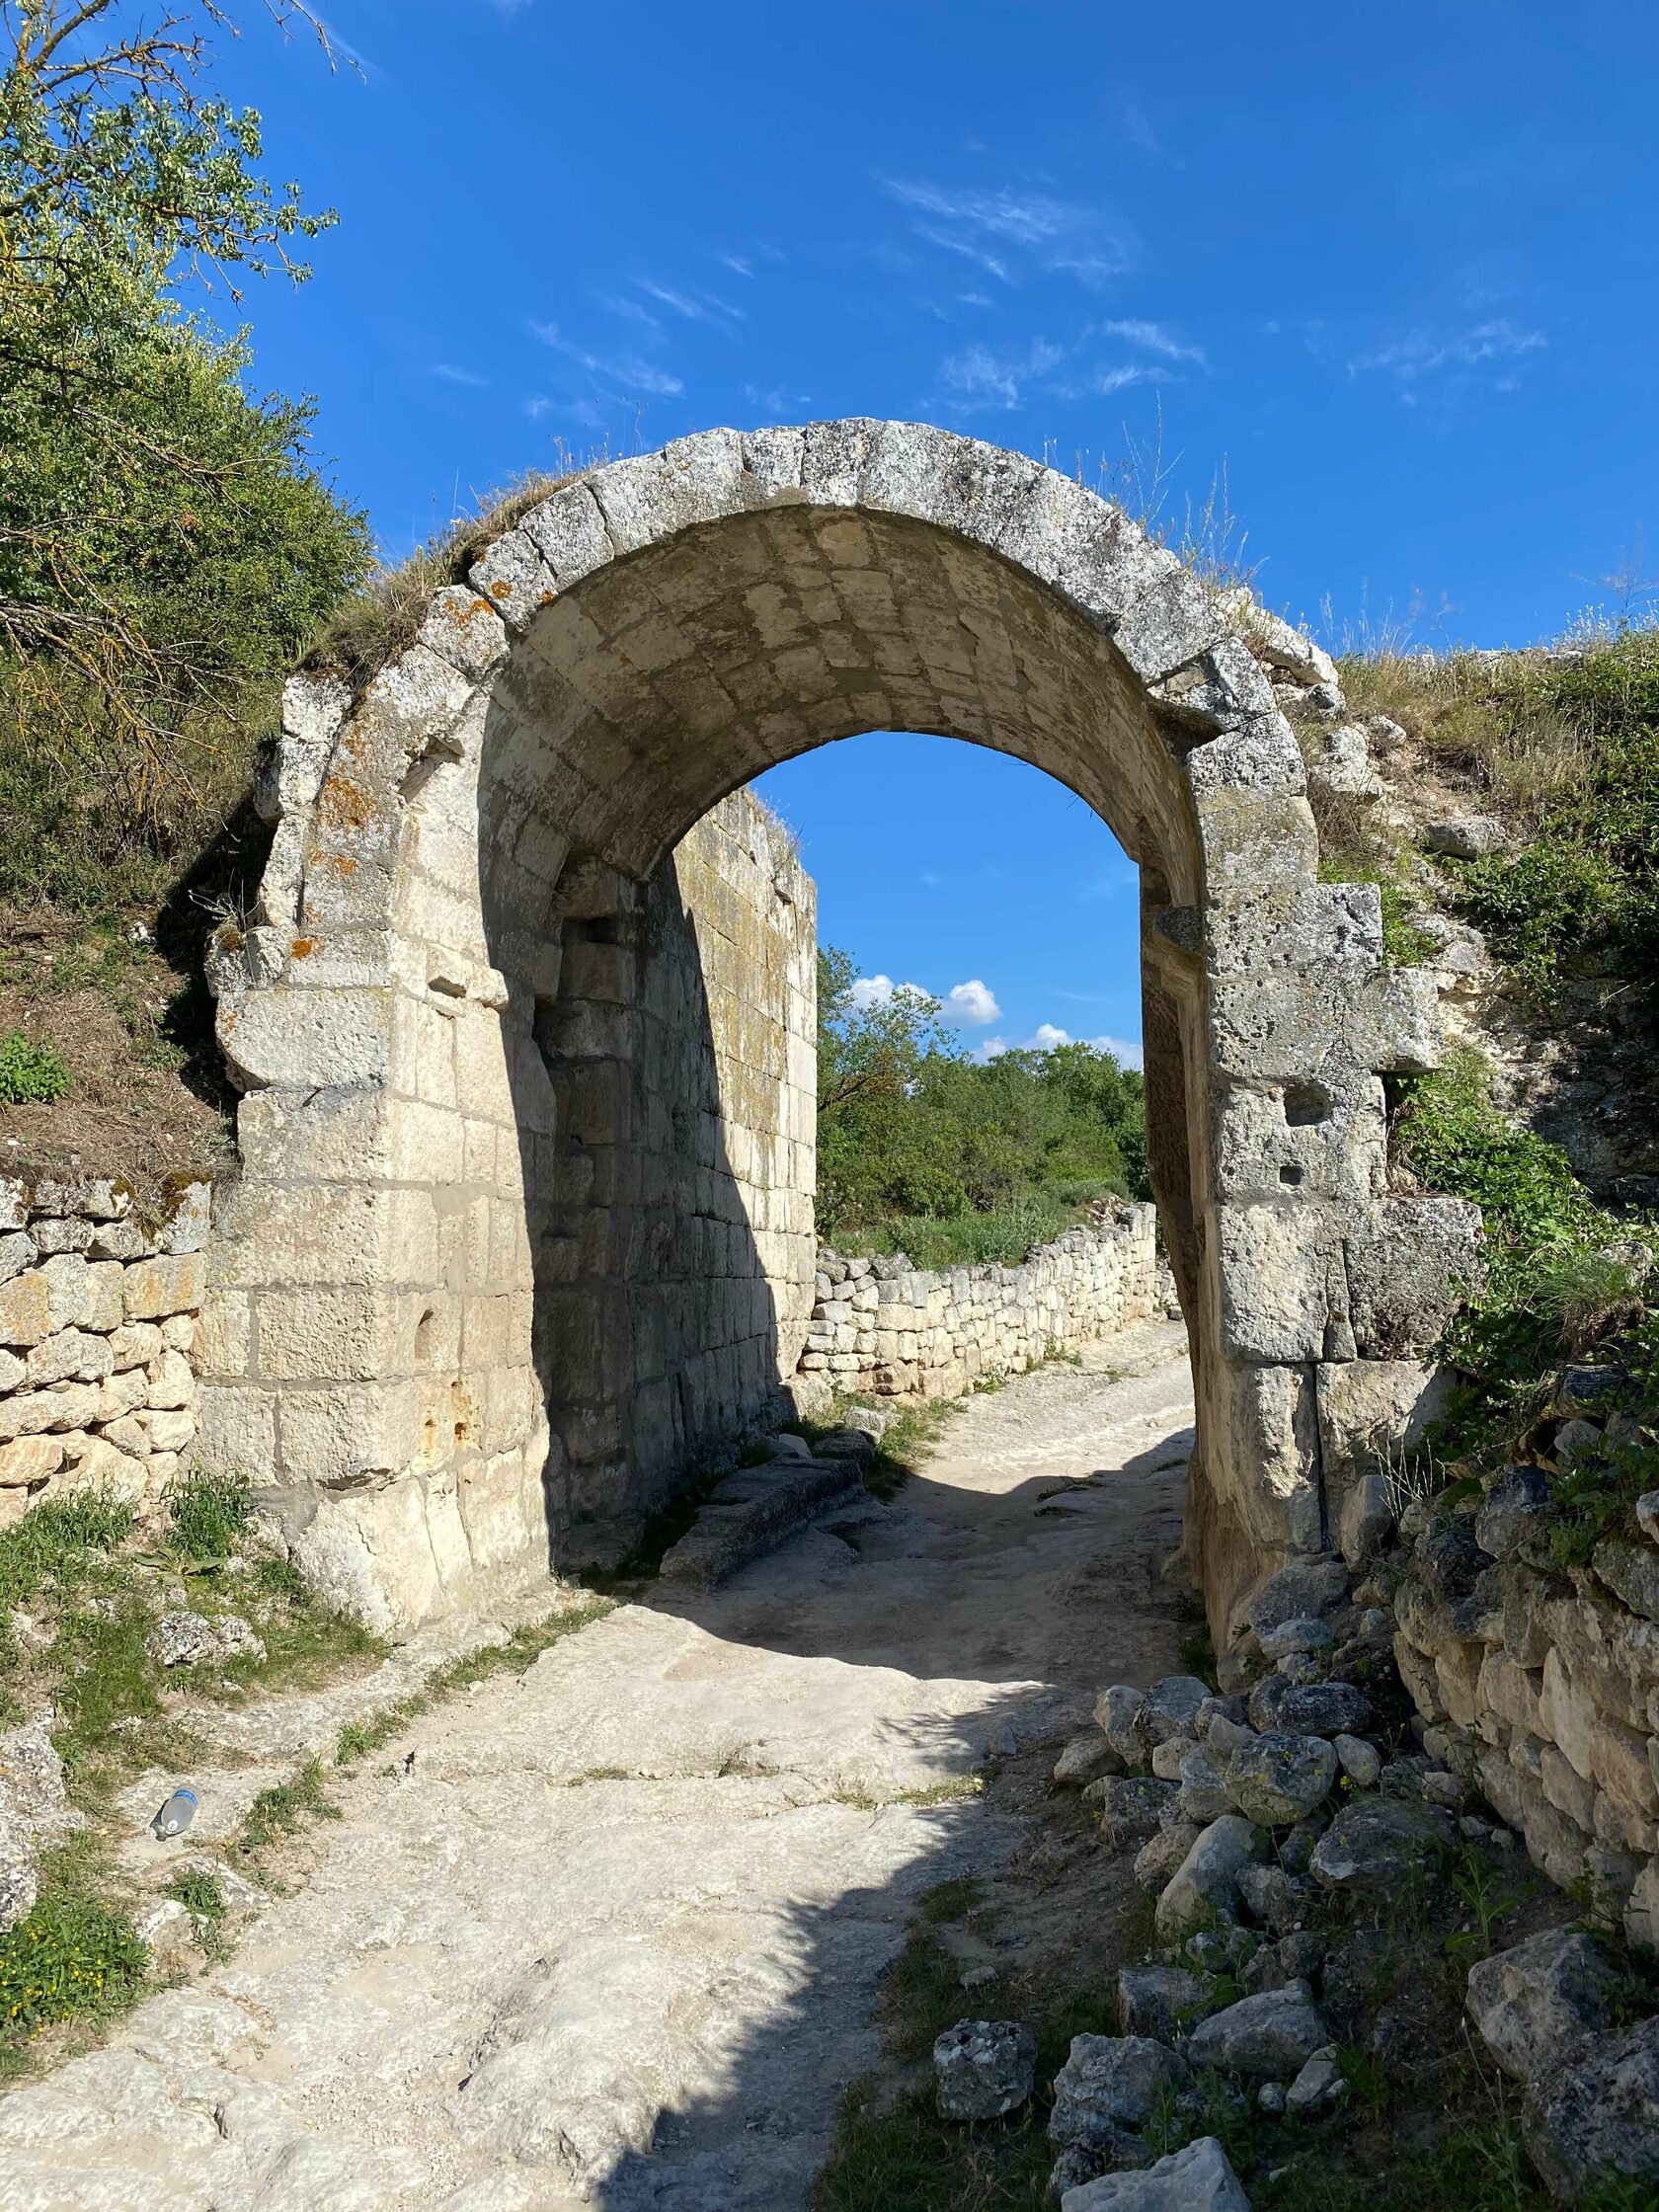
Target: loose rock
(1314,1708)
(1084,1758)
(1319,2084)
(1295,1592)
(985,2069)
(1361,1762)
(1204,1792)
(1159,1861)
(1280,1776)
(1111,2082)
(1377,1848)
(1599,2112)
(1130,1805)
(1170,1708)
(1195,2179)
(1264,2038)
(1156,2000)
(1535,2003)
(1115,1714)
(1206,1885)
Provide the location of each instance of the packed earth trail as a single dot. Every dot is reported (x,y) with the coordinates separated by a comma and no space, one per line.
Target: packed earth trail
(611,1933)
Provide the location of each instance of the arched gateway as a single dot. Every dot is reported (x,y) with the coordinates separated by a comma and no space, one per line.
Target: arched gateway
(393,1312)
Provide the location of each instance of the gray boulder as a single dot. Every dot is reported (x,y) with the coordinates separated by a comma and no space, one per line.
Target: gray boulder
(1319,2085)
(847,1444)
(1085,1758)
(1308,1709)
(1511,1511)
(1265,2039)
(181,1639)
(1379,1846)
(1303,1635)
(1112,2082)
(1233,1708)
(983,2069)
(1279,1778)
(1170,1708)
(1204,1794)
(1130,1805)
(1195,2179)
(1159,1860)
(1156,2000)
(1115,1714)
(1597,2114)
(1465,837)
(1360,1761)
(1298,1592)
(1168,1756)
(1269,1896)
(1085,2161)
(1205,1887)
(1535,2002)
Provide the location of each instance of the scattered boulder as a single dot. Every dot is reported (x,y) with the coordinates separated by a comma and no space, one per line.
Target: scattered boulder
(1205,1793)
(1167,1757)
(1170,1708)
(1307,1589)
(1085,1758)
(847,1443)
(1376,1847)
(1195,2180)
(1227,1734)
(1278,1778)
(1361,1762)
(34,1813)
(1156,2000)
(1086,2162)
(1308,1709)
(871,1419)
(1131,1805)
(985,2069)
(191,1639)
(1205,1887)
(1234,1709)
(1319,2085)
(1597,2113)
(1303,1635)
(1465,837)
(1159,1860)
(1111,2082)
(1269,1896)
(1115,1714)
(1535,2003)
(1264,2038)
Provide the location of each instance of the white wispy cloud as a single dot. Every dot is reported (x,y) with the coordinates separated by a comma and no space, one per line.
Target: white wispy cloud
(448,374)
(971,1004)
(990,228)
(1456,355)
(736,263)
(626,370)
(630,310)
(1154,337)
(696,307)
(988,379)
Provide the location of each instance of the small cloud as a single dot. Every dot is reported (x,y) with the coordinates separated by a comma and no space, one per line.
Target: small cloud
(1045,1037)
(736,263)
(986,379)
(971,1004)
(629,309)
(448,374)
(1453,355)
(1128,1051)
(992,1049)
(881,990)
(695,307)
(1155,337)
(631,373)
(988,227)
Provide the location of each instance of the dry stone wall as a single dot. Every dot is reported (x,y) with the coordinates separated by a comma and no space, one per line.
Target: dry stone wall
(899,1331)
(99,1339)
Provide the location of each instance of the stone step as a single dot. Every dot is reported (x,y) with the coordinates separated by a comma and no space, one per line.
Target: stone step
(755,1510)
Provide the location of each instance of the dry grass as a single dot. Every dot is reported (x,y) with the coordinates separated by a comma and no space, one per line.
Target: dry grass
(377,623)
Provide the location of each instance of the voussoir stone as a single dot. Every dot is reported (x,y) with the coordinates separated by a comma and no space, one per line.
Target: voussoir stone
(1111,2082)
(1265,2039)
(1198,2179)
(983,2069)
(1280,1776)
(1537,2002)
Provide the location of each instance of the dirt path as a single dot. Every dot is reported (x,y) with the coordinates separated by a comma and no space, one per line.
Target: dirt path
(614,1940)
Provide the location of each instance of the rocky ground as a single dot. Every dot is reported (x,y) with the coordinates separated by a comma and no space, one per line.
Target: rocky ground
(612,1932)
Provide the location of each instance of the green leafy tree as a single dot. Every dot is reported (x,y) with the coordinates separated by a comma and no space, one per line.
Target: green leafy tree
(165,546)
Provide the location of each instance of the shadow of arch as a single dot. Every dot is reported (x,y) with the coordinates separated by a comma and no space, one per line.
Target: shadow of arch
(636,647)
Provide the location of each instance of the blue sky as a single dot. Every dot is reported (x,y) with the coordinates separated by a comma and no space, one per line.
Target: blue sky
(1393,269)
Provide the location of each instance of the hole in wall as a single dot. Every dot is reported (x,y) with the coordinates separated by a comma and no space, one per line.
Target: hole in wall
(1306,1104)
(1289,1173)
(425,1329)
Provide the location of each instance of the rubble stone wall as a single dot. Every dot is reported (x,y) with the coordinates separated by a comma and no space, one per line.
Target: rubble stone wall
(99,1339)
(903,1331)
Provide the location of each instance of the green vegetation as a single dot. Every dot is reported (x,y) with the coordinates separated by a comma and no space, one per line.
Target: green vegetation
(1563,747)
(69,1957)
(30,1074)
(921,1149)
(207,1513)
(286,1808)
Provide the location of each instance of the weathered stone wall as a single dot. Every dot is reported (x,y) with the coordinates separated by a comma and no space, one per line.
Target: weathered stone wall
(903,1331)
(1538,1683)
(674,1194)
(99,1342)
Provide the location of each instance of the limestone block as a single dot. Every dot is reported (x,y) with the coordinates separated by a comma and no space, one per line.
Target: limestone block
(1280,1271)
(1567,1710)
(135,1344)
(339,1333)
(369,1553)
(1368,1411)
(96,1465)
(157,1287)
(171,1431)
(70,1356)
(349,1431)
(25,1313)
(64,1405)
(171,1383)
(1619,1761)
(236,1430)
(30,1458)
(1406,1261)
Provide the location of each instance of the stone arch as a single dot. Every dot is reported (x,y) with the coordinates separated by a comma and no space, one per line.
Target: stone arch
(634,647)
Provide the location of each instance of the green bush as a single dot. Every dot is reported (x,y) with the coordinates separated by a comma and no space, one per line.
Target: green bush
(206,1515)
(1457,1141)
(30,1074)
(69,1957)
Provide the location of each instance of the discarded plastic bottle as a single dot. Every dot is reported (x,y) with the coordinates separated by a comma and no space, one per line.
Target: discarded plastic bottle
(175,1816)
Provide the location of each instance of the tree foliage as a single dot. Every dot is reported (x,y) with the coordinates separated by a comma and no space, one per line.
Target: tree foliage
(165,547)
(910,1127)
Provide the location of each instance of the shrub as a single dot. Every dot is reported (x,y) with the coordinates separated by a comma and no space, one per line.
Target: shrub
(1456,1140)
(208,1513)
(69,1957)
(31,1075)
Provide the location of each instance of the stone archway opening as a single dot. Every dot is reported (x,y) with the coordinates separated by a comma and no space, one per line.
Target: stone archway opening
(476,1043)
